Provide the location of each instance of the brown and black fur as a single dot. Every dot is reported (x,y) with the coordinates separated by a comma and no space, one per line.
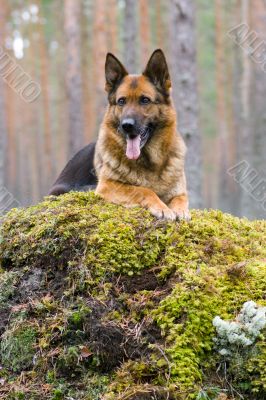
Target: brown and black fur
(155,179)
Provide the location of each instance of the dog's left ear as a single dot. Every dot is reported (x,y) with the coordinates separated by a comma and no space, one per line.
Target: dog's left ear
(157,70)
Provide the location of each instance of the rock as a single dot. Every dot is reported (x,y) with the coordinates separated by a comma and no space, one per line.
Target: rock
(102,302)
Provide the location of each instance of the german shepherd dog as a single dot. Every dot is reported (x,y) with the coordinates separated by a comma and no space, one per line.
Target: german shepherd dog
(138,158)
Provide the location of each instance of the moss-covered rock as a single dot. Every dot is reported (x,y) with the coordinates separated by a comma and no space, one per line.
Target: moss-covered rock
(102,302)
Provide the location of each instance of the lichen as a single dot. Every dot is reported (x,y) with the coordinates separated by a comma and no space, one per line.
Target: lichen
(241,333)
(111,303)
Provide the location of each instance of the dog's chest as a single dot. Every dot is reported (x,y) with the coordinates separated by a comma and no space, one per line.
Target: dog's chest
(160,178)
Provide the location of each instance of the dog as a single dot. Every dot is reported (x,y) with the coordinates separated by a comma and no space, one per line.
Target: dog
(138,159)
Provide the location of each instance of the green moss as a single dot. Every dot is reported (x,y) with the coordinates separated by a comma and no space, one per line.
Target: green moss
(255,368)
(17,347)
(8,281)
(199,298)
(126,302)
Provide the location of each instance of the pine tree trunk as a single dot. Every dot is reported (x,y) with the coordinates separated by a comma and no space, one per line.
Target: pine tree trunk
(182,52)
(3,122)
(245,144)
(44,74)
(87,70)
(223,149)
(130,36)
(159,24)
(257,115)
(144,31)
(99,55)
(113,26)
(11,142)
(35,156)
(72,10)
(242,65)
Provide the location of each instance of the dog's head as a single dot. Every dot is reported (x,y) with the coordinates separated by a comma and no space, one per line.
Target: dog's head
(139,104)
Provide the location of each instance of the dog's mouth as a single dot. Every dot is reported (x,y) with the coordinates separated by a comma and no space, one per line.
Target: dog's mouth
(135,144)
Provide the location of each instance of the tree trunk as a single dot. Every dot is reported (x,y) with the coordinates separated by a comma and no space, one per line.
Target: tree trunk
(34,124)
(223,148)
(87,63)
(144,31)
(242,65)
(44,81)
(72,10)
(159,25)
(99,55)
(113,26)
(130,36)
(3,122)
(257,115)
(245,143)
(183,67)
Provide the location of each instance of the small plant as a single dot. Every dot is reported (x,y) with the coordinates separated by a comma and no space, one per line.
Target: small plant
(77,317)
(58,393)
(209,393)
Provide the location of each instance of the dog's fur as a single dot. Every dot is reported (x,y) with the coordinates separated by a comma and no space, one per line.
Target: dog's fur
(149,173)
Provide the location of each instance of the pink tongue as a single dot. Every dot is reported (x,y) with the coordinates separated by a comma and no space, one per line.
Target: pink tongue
(133,148)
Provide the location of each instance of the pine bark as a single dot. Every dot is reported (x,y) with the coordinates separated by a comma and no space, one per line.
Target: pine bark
(242,69)
(144,31)
(36,159)
(182,52)
(221,76)
(113,26)
(159,24)
(245,144)
(72,15)
(130,36)
(257,114)
(3,122)
(44,75)
(99,55)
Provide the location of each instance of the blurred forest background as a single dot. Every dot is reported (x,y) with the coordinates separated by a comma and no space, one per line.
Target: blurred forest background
(219,90)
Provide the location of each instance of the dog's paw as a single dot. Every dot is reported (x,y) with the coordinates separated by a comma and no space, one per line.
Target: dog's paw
(163,213)
(182,214)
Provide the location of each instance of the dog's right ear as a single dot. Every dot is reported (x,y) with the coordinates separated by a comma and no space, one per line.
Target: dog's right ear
(114,72)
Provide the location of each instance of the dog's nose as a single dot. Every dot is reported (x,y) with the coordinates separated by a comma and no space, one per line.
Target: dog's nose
(128,125)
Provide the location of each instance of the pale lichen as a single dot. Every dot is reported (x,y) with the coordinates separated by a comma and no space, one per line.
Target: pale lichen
(242,332)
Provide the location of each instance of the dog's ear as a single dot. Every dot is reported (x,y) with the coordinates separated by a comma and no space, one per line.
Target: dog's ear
(114,72)
(157,70)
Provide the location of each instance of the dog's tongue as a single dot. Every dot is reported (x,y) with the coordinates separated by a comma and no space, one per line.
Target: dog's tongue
(133,148)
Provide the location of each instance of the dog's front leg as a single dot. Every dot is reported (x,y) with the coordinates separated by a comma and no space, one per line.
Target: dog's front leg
(179,204)
(129,196)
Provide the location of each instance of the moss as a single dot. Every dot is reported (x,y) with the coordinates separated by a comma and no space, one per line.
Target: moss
(8,281)
(255,368)
(200,298)
(17,347)
(124,303)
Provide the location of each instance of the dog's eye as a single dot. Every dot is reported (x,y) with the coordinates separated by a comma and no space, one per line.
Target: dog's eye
(121,101)
(145,100)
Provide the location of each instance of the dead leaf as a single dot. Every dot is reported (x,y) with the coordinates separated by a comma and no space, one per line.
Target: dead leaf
(85,352)
(19,307)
